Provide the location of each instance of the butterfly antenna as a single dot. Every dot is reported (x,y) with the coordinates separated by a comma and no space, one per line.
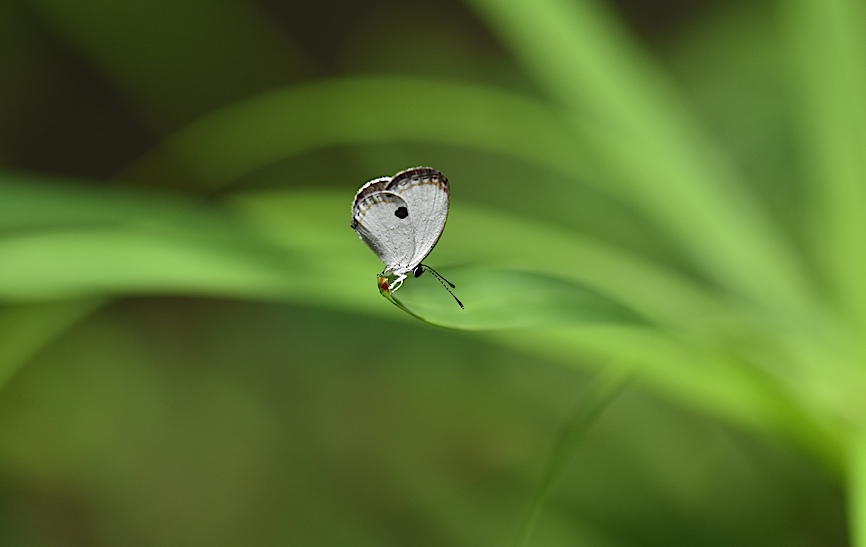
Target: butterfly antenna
(445,284)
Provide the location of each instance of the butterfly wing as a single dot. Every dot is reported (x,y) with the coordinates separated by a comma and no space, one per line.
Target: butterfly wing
(427,195)
(381,220)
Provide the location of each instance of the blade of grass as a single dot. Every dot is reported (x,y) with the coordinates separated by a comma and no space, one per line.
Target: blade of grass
(633,120)
(601,394)
(30,201)
(297,234)
(122,243)
(477,235)
(827,44)
(237,140)
(508,298)
(82,263)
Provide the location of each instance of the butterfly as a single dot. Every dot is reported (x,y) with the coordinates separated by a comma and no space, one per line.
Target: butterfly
(401,218)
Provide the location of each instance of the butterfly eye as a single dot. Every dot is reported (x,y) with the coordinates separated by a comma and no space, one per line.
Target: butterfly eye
(401,212)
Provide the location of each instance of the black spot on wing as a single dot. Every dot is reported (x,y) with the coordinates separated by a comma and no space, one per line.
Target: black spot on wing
(401,212)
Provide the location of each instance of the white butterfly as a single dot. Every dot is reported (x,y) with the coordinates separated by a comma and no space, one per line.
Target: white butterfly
(401,219)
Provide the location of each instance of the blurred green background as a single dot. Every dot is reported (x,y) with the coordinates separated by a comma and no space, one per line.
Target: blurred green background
(657,229)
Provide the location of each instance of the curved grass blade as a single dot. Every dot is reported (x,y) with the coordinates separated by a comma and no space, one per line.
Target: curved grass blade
(222,147)
(385,291)
(499,298)
(90,262)
(313,225)
(602,393)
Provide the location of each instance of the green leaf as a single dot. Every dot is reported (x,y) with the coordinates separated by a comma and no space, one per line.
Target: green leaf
(504,298)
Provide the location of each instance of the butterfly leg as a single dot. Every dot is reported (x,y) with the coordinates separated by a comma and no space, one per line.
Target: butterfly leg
(397,283)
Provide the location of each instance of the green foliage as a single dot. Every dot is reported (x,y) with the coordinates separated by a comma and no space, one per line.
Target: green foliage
(606,216)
